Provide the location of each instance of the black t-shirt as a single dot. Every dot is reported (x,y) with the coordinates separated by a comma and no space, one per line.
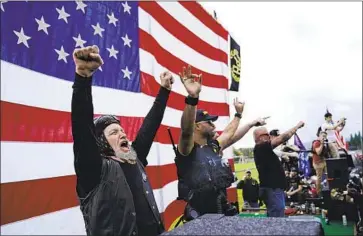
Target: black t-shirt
(294,182)
(270,171)
(145,219)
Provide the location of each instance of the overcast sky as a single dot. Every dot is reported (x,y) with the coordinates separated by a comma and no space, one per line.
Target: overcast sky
(297,59)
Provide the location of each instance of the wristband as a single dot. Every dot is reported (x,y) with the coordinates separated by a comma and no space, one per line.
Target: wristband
(238,115)
(191,101)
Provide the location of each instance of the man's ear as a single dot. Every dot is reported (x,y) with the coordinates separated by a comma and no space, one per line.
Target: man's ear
(197,126)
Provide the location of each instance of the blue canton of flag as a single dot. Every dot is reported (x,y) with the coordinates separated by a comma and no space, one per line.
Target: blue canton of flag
(304,164)
(44,35)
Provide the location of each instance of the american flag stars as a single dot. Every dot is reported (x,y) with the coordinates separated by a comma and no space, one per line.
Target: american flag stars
(127,73)
(79,41)
(1,4)
(112,19)
(22,38)
(113,52)
(62,55)
(127,8)
(81,6)
(42,25)
(97,29)
(127,41)
(65,17)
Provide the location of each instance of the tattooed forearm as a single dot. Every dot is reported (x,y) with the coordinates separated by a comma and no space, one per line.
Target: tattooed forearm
(286,136)
(283,137)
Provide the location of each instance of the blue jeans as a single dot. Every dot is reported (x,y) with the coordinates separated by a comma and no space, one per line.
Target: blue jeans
(274,200)
(253,204)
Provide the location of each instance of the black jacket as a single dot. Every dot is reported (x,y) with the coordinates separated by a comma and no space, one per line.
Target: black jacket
(250,189)
(105,197)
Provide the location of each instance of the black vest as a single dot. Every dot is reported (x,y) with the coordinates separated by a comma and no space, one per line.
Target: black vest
(203,171)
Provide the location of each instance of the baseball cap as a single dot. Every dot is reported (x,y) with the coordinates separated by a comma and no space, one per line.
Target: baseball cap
(203,115)
(275,132)
(248,172)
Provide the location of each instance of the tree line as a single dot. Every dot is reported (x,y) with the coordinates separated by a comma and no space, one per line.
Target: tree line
(355,141)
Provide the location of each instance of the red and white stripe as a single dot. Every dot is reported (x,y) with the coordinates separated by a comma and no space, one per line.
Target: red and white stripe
(37,174)
(340,140)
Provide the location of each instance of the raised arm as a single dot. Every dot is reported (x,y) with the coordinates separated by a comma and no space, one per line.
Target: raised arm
(340,128)
(152,121)
(240,184)
(243,131)
(193,85)
(334,126)
(286,136)
(229,131)
(87,159)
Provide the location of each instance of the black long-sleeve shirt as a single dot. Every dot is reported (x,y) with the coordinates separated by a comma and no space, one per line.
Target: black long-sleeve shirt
(250,189)
(109,191)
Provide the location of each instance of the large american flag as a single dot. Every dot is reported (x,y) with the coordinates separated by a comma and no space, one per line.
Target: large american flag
(137,41)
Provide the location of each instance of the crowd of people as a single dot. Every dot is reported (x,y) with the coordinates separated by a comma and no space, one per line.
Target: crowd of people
(113,188)
(295,187)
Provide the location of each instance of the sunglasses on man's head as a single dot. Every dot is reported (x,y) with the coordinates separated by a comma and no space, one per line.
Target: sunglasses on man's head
(267,134)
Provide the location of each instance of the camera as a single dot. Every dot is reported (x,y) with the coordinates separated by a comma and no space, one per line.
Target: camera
(325,141)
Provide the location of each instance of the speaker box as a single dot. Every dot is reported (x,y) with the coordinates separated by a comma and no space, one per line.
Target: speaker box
(217,224)
(338,174)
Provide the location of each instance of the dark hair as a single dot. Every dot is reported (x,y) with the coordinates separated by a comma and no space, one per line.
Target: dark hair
(327,114)
(275,132)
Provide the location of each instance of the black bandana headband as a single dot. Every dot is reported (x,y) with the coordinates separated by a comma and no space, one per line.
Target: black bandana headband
(101,123)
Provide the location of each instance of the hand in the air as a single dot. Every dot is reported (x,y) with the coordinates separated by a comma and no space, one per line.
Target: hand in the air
(166,80)
(300,124)
(191,82)
(259,122)
(87,60)
(239,106)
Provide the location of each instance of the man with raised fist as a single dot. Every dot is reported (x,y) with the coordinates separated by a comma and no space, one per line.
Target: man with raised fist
(114,192)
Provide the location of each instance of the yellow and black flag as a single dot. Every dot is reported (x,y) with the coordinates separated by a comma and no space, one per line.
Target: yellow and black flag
(235,57)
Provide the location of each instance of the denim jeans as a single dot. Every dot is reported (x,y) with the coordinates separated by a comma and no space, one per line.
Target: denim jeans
(274,200)
(252,204)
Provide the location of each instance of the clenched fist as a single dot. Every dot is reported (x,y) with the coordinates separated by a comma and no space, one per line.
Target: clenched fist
(239,106)
(166,80)
(300,124)
(87,60)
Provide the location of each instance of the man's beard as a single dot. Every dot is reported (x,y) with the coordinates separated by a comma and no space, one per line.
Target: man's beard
(129,157)
(209,135)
